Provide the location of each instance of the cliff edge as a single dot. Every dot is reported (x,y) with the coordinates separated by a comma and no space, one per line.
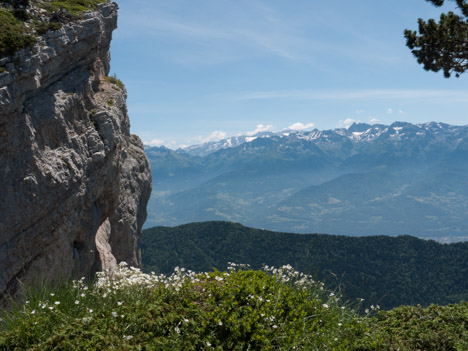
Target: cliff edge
(74,182)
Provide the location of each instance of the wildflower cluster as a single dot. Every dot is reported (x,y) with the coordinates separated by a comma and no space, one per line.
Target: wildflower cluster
(276,308)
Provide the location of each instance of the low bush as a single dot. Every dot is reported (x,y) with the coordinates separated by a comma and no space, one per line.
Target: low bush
(44,27)
(408,328)
(274,309)
(13,34)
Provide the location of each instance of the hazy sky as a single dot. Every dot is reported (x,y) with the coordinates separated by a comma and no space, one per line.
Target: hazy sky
(200,70)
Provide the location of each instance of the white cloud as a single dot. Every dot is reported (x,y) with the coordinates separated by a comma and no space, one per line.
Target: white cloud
(373,120)
(155,142)
(301,126)
(389,111)
(260,128)
(217,135)
(358,112)
(346,123)
(401,112)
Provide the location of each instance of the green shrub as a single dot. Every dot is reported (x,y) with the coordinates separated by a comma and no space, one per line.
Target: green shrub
(236,310)
(13,34)
(272,309)
(44,27)
(2,69)
(21,14)
(408,328)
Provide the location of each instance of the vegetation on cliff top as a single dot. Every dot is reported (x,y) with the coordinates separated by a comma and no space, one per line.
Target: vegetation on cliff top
(240,309)
(22,20)
(13,34)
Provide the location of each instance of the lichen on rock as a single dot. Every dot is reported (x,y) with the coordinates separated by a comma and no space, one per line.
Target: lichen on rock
(68,162)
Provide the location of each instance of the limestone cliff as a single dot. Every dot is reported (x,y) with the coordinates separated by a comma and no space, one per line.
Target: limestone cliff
(74,183)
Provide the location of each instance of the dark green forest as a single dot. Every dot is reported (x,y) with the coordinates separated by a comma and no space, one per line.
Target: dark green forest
(388,271)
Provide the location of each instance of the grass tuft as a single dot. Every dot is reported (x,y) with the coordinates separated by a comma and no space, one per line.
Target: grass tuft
(114,80)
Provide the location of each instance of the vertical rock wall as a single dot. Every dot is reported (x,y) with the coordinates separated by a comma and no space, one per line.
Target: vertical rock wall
(69,167)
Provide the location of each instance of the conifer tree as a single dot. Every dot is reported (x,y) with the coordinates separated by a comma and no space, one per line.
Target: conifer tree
(442,45)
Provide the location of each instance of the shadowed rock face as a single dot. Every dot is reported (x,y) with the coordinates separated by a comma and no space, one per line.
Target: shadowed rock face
(69,167)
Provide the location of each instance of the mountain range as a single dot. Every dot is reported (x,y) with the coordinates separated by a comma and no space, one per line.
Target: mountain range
(375,179)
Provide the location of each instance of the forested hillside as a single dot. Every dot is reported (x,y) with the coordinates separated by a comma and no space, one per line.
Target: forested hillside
(389,271)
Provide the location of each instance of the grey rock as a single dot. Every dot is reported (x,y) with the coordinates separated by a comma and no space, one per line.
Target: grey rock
(72,177)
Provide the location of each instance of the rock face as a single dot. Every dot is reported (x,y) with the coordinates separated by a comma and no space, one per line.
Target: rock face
(74,183)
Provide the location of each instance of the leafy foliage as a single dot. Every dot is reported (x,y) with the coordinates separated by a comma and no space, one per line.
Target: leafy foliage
(44,27)
(240,309)
(442,45)
(408,328)
(274,309)
(389,271)
(13,34)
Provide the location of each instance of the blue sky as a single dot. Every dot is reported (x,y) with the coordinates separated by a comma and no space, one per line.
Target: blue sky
(202,70)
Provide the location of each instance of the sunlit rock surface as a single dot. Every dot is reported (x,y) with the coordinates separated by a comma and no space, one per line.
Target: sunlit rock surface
(68,163)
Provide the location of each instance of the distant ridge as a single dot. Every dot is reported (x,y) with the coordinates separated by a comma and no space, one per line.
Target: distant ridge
(357,132)
(364,180)
(388,271)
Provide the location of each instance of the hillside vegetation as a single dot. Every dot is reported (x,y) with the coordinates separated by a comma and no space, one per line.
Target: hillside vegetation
(21,21)
(272,309)
(389,271)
